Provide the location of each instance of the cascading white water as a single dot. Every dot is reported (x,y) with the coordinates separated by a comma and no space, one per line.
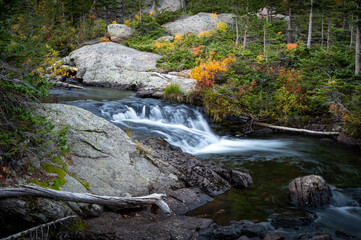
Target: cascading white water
(186,128)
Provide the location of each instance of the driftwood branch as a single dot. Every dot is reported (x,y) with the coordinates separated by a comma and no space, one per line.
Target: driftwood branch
(297,129)
(42,226)
(126,202)
(62,84)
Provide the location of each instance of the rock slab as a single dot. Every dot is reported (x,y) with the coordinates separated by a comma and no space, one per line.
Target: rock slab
(114,65)
(197,23)
(309,191)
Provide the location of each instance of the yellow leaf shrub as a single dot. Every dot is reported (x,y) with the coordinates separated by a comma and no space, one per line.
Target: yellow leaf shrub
(206,73)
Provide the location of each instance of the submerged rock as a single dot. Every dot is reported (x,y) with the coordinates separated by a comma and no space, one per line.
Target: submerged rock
(309,191)
(292,219)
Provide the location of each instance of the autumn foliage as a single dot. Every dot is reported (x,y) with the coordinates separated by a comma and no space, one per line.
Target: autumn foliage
(207,73)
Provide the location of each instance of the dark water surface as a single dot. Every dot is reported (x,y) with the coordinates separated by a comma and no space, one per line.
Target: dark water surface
(272,161)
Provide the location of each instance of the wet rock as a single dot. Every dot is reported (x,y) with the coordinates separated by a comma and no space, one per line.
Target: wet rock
(344,235)
(292,219)
(326,236)
(211,178)
(309,191)
(186,199)
(114,226)
(273,236)
(343,138)
(241,229)
(119,32)
(263,131)
(197,23)
(20,214)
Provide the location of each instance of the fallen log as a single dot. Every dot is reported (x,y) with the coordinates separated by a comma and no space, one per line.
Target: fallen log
(41,227)
(126,202)
(289,129)
(62,84)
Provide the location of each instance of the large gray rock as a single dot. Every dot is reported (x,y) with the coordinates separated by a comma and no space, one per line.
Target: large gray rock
(102,154)
(197,23)
(119,32)
(309,191)
(114,65)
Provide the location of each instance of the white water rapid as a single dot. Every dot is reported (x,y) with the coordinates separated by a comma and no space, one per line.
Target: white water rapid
(186,128)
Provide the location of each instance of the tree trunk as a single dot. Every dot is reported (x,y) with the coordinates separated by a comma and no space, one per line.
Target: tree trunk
(289,29)
(322,24)
(288,129)
(126,202)
(328,35)
(309,38)
(298,24)
(184,6)
(237,33)
(351,37)
(268,13)
(264,40)
(357,48)
(245,28)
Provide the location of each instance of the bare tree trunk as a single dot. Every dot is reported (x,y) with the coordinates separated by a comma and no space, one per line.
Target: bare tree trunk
(245,28)
(351,37)
(264,41)
(322,25)
(237,33)
(296,129)
(328,36)
(86,197)
(357,47)
(298,24)
(289,29)
(184,6)
(268,13)
(309,38)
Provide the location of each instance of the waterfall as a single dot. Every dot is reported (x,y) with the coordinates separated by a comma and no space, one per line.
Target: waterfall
(182,126)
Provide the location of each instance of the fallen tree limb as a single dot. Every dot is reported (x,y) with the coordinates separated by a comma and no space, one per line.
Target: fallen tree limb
(33,229)
(62,84)
(126,202)
(296,129)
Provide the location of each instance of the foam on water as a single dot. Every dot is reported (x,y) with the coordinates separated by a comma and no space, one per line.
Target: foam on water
(186,128)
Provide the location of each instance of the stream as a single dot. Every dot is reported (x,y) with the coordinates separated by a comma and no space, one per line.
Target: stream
(273,160)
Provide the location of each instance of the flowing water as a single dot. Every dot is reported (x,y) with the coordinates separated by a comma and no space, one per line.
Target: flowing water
(273,161)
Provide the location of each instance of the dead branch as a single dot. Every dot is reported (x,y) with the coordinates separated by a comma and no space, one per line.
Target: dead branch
(30,230)
(296,129)
(62,84)
(125,202)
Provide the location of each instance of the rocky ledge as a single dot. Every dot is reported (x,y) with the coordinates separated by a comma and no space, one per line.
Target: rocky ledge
(114,65)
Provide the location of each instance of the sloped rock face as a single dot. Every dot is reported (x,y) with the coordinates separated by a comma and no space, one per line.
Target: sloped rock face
(119,32)
(197,23)
(309,191)
(103,154)
(114,65)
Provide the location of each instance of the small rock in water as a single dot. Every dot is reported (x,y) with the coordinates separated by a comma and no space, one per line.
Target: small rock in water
(292,219)
(309,191)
